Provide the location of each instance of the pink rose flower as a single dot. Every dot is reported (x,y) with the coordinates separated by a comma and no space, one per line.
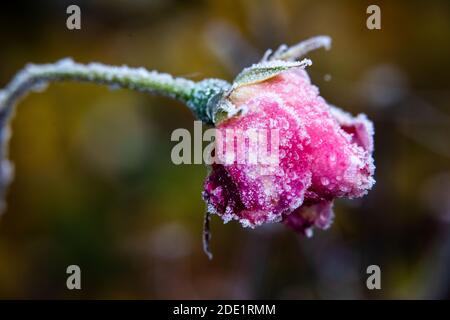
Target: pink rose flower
(324,153)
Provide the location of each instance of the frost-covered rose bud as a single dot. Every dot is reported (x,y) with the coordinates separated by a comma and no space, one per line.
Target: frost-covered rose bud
(324,153)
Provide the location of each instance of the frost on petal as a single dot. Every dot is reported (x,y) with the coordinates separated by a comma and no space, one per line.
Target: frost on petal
(221,192)
(306,217)
(359,127)
(324,153)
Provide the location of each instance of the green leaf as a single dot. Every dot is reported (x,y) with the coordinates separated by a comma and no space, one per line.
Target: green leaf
(265,70)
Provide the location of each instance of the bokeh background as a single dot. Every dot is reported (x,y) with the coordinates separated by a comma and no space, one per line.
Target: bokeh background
(95,186)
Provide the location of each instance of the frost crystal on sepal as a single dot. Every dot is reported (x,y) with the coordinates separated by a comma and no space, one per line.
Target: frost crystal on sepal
(205,96)
(220,108)
(265,70)
(299,50)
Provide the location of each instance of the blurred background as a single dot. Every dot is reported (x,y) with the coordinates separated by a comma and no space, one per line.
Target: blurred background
(95,185)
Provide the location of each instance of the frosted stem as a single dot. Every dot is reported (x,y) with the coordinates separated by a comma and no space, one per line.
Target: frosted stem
(36,77)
